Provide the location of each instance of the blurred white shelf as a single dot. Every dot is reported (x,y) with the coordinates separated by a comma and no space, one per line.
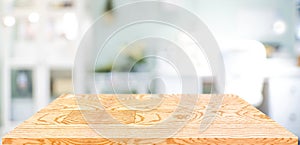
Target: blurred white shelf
(22,63)
(60,63)
(27,11)
(50,63)
(36,50)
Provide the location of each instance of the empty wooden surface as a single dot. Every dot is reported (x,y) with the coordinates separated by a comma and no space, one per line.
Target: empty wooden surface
(62,122)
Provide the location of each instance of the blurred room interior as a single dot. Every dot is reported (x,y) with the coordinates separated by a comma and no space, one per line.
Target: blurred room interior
(259,41)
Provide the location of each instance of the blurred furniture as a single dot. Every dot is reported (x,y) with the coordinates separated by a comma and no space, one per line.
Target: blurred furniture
(284,93)
(244,62)
(40,38)
(239,122)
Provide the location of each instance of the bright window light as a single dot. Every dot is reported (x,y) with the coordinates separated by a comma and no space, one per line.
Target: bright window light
(9,21)
(70,26)
(279,27)
(34,17)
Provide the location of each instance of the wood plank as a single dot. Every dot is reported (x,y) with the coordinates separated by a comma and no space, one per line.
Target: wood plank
(63,122)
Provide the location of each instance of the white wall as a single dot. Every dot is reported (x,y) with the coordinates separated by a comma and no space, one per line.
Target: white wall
(250,19)
(1,74)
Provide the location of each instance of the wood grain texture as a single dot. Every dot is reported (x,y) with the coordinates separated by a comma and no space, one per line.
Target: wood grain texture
(62,122)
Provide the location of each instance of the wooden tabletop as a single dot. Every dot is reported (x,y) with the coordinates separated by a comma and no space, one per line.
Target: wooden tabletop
(64,122)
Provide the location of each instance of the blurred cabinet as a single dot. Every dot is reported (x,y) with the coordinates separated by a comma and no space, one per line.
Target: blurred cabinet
(284,98)
(145,83)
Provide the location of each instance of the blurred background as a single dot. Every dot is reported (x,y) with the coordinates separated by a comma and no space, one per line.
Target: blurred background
(259,41)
